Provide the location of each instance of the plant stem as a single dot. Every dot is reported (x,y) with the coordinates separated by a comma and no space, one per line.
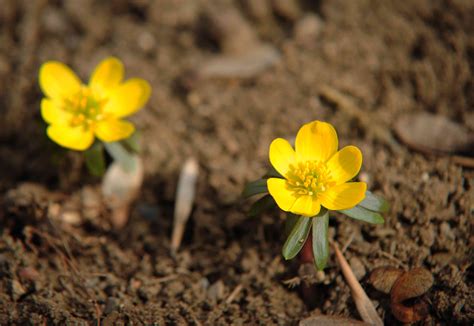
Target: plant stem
(306,254)
(308,290)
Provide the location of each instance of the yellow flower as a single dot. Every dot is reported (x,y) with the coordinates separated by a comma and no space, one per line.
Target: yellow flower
(76,113)
(315,173)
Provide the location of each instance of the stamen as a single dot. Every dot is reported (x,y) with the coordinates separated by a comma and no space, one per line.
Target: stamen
(85,108)
(309,178)
(84,102)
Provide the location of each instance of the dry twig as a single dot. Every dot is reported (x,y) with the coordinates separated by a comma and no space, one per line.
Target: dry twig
(364,305)
(184,201)
(234,294)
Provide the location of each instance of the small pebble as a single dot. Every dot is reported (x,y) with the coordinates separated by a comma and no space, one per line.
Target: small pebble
(194,99)
(111,305)
(427,235)
(307,29)
(71,217)
(204,283)
(175,287)
(17,290)
(441,259)
(91,203)
(54,21)
(357,267)
(216,291)
(146,42)
(287,9)
(4,65)
(231,30)
(259,10)
(28,273)
(446,231)
(425,176)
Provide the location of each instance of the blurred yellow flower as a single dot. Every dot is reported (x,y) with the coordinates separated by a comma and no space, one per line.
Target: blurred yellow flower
(76,113)
(315,173)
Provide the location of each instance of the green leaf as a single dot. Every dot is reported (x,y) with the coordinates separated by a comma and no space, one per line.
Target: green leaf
(297,237)
(254,188)
(95,160)
(261,205)
(320,239)
(374,203)
(132,143)
(120,154)
(363,214)
(290,222)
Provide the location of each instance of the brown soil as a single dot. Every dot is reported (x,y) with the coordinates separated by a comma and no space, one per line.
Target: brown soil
(384,58)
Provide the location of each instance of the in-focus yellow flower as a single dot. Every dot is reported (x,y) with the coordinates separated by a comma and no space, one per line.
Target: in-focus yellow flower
(76,113)
(315,173)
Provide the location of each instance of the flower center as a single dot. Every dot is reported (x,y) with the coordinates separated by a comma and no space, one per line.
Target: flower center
(309,178)
(85,108)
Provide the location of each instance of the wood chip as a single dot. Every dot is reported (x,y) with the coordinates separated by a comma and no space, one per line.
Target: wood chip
(244,65)
(431,133)
(185,193)
(234,294)
(364,306)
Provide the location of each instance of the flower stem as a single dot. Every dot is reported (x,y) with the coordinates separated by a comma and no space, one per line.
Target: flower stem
(308,291)
(306,254)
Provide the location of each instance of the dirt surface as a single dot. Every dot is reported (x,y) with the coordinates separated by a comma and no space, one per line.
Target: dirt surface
(357,64)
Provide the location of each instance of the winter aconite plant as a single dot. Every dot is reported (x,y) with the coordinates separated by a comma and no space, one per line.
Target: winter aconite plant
(80,114)
(311,180)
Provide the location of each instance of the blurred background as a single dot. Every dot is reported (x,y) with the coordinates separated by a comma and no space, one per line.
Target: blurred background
(394,78)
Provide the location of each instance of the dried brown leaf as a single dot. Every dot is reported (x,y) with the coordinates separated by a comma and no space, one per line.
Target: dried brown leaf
(383,278)
(410,285)
(327,320)
(431,133)
(244,65)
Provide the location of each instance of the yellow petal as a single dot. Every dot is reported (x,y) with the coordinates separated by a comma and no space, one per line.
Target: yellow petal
(128,97)
(316,140)
(52,112)
(345,164)
(279,191)
(57,80)
(281,155)
(306,206)
(107,75)
(343,196)
(114,130)
(76,138)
